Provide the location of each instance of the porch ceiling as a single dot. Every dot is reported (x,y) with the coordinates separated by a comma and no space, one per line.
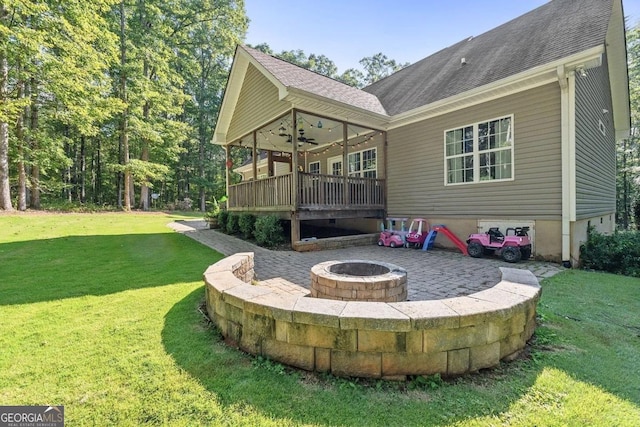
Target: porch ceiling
(318,134)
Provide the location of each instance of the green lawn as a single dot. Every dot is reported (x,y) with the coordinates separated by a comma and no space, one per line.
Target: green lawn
(100,313)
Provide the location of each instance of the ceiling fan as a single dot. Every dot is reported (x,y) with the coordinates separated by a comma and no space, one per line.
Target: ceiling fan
(302,139)
(282,131)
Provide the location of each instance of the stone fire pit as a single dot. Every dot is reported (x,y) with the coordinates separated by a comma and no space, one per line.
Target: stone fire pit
(279,320)
(359,280)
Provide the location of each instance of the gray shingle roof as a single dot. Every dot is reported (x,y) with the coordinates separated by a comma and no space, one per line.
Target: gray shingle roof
(555,30)
(293,76)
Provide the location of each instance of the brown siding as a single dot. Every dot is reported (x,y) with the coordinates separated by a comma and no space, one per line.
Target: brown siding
(416,163)
(595,153)
(258,102)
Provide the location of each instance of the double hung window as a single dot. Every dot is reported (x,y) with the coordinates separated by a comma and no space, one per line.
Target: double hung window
(479,152)
(363,163)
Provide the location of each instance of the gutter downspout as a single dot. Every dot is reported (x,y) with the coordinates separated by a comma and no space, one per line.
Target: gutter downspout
(568,161)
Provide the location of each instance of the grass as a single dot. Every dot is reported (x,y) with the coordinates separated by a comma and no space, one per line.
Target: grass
(100,313)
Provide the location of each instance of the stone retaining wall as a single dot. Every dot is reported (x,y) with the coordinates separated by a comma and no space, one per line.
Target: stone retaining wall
(310,245)
(279,320)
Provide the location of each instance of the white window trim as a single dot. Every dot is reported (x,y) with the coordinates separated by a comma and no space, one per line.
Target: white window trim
(476,153)
(313,163)
(331,161)
(361,171)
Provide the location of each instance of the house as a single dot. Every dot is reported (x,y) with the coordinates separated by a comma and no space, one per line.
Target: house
(517,126)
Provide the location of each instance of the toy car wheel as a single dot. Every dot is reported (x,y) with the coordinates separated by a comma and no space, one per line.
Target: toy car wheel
(392,244)
(511,254)
(526,253)
(475,249)
(380,242)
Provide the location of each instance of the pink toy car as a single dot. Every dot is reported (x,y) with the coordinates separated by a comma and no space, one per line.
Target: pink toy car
(393,238)
(417,234)
(513,247)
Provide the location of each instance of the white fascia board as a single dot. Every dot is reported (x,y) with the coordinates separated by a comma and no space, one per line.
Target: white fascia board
(318,104)
(282,89)
(232,92)
(230,99)
(526,80)
(618,72)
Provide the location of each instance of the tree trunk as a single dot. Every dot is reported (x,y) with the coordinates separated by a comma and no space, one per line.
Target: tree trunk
(144,188)
(67,190)
(83,170)
(625,188)
(5,188)
(22,176)
(33,127)
(97,167)
(124,131)
(202,137)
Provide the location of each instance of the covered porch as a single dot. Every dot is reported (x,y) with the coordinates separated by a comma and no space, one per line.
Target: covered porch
(304,166)
(301,145)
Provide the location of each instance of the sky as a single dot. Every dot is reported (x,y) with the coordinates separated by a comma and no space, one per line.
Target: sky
(404,30)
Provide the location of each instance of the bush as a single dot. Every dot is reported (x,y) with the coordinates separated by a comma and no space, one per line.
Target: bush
(268,231)
(246,224)
(223,216)
(618,253)
(232,224)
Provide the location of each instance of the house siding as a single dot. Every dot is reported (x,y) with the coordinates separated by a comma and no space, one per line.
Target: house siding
(334,151)
(416,163)
(595,152)
(257,104)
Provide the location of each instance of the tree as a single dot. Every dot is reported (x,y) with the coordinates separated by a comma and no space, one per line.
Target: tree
(628,204)
(379,66)
(53,60)
(5,115)
(375,67)
(352,77)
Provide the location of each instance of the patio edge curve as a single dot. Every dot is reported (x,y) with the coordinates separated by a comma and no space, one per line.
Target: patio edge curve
(279,320)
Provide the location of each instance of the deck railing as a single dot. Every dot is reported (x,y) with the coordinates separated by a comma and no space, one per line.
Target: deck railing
(270,193)
(314,192)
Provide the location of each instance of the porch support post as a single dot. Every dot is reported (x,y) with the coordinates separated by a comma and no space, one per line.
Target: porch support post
(227,155)
(255,168)
(270,168)
(295,221)
(385,163)
(345,163)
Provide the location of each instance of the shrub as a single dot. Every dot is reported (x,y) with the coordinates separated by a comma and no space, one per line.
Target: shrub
(618,253)
(268,231)
(232,224)
(246,224)
(223,216)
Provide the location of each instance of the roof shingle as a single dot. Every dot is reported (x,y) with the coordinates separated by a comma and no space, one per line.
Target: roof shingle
(293,76)
(553,31)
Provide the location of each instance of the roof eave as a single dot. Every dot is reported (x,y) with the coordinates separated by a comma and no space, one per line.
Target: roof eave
(618,72)
(237,75)
(529,79)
